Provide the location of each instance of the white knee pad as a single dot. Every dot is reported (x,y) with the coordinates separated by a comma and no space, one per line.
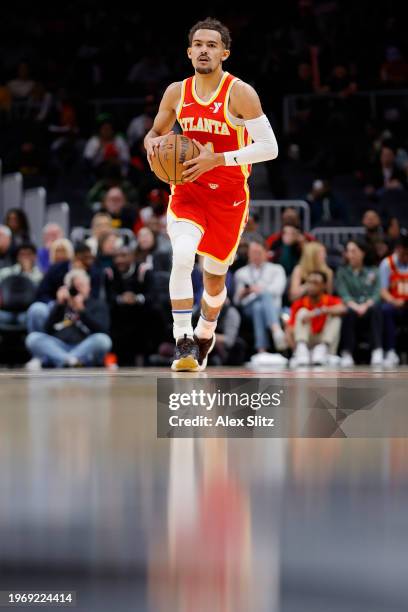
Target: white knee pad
(184,240)
(215,267)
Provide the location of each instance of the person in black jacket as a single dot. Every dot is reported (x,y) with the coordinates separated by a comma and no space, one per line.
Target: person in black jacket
(52,281)
(76,330)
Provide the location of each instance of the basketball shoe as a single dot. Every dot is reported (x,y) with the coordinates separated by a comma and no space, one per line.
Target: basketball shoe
(205,346)
(186,355)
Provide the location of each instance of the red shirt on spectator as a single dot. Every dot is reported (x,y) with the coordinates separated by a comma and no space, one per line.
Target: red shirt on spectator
(318,322)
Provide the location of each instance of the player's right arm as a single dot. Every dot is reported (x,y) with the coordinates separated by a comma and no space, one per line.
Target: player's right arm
(164,120)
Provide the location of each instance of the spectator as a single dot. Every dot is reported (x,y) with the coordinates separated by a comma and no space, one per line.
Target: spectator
(241,256)
(39,103)
(140,125)
(51,232)
(325,206)
(61,250)
(157,201)
(313,258)
(314,324)
(259,287)
(374,237)
(358,285)
(251,232)
(101,224)
(289,216)
(111,178)
(394,292)
(393,232)
(131,317)
(385,174)
(115,204)
(22,85)
(17,221)
(107,146)
(287,249)
(108,245)
(229,348)
(76,328)
(5,246)
(26,257)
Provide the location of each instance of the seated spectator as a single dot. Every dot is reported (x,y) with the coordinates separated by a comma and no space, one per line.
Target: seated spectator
(252,232)
(5,246)
(39,103)
(61,250)
(325,206)
(229,348)
(157,201)
(314,324)
(241,256)
(111,177)
(374,237)
(393,232)
(76,330)
(101,224)
(26,255)
(313,258)
(287,249)
(107,145)
(358,285)
(22,85)
(17,221)
(147,254)
(108,245)
(385,174)
(259,287)
(51,232)
(394,292)
(131,318)
(289,216)
(115,204)
(140,125)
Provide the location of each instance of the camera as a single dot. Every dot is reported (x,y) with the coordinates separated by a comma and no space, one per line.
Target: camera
(73,291)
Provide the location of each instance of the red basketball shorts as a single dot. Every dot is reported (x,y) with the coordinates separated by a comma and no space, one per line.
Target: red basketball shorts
(220,211)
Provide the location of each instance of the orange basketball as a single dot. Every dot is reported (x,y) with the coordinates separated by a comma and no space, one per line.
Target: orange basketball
(169,158)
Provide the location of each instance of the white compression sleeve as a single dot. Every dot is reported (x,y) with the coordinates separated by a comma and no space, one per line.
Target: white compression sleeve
(262,149)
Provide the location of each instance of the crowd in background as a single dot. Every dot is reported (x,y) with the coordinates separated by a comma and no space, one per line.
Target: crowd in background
(106,290)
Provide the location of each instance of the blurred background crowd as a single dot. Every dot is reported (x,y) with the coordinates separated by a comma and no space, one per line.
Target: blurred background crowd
(78,92)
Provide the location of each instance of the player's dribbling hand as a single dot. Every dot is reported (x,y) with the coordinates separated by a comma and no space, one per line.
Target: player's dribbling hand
(207,160)
(152,144)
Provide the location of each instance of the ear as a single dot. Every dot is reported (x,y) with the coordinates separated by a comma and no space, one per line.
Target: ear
(225,55)
(189,52)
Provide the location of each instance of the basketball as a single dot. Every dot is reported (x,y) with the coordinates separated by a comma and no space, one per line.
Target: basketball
(173,151)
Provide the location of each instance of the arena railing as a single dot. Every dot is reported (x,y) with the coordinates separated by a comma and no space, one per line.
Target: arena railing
(290,102)
(337,237)
(80,234)
(270,213)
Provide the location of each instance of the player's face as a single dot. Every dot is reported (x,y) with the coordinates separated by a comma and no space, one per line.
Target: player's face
(207,51)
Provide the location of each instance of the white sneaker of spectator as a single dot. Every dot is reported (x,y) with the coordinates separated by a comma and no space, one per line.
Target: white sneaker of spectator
(34,364)
(320,354)
(391,359)
(346,360)
(377,357)
(301,356)
(279,338)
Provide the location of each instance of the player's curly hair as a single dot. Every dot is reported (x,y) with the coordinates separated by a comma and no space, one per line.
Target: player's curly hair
(211,24)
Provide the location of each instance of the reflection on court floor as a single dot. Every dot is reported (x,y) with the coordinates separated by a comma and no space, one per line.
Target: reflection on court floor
(91,500)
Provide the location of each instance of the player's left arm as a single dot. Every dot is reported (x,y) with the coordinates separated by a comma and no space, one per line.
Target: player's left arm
(245,104)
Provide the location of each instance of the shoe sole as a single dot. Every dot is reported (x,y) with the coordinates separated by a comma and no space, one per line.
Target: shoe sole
(185,364)
(204,364)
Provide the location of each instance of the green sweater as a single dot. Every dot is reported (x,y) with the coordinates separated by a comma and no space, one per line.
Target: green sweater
(358,286)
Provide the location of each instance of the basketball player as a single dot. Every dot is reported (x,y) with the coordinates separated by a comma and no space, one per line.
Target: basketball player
(208,212)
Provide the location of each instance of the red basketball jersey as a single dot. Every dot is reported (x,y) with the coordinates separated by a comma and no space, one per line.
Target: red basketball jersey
(398,281)
(210,123)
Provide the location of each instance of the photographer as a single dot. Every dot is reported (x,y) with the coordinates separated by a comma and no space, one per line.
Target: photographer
(76,328)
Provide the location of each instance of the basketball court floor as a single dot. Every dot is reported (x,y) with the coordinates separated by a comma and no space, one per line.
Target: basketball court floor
(92,501)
